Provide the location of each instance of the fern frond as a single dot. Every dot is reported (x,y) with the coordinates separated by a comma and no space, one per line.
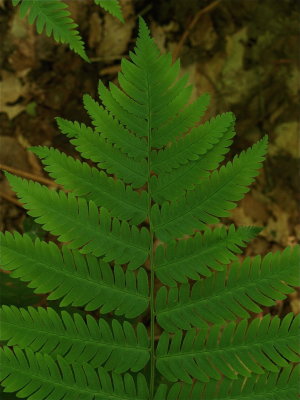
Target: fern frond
(79,222)
(137,126)
(181,123)
(72,129)
(270,386)
(111,6)
(191,146)
(150,87)
(75,279)
(94,147)
(117,347)
(84,181)
(238,349)
(53,17)
(43,378)
(114,132)
(225,298)
(134,81)
(172,185)
(185,259)
(211,199)
(148,137)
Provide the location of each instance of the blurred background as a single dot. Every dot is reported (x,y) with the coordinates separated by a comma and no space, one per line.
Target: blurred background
(245,53)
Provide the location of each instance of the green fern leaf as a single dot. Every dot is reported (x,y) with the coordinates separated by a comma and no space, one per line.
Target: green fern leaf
(271,386)
(114,132)
(149,70)
(72,129)
(167,178)
(138,126)
(94,147)
(192,146)
(84,181)
(74,278)
(194,256)
(225,298)
(237,349)
(181,123)
(117,347)
(112,6)
(52,16)
(172,185)
(40,377)
(210,200)
(79,222)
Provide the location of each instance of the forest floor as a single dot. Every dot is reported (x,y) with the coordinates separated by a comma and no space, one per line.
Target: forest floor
(245,54)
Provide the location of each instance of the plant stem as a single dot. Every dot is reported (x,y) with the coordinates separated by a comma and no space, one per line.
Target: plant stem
(152,314)
(152,322)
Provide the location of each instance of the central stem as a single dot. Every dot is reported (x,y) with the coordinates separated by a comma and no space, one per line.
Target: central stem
(152,314)
(152,322)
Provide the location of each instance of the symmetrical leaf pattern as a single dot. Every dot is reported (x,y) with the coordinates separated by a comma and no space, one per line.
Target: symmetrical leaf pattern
(235,349)
(75,279)
(227,297)
(117,347)
(143,211)
(270,386)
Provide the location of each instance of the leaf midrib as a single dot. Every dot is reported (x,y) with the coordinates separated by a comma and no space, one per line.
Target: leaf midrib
(89,184)
(85,226)
(200,252)
(81,339)
(74,276)
(231,347)
(65,385)
(216,294)
(189,210)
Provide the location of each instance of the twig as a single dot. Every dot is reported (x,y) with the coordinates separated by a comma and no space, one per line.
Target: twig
(11,199)
(188,30)
(28,175)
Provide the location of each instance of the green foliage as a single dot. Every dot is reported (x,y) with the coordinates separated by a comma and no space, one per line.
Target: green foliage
(144,211)
(15,292)
(229,350)
(53,17)
(92,184)
(226,297)
(200,254)
(79,222)
(52,379)
(77,280)
(270,386)
(112,6)
(116,346)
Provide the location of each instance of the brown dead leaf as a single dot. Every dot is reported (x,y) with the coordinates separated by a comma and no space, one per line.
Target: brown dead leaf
(116,35)
(204,35)
(287,139)
(23,39)
(278,226)
(240,217)
(295,302)
(255,209)
(95,30)
(11,89)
